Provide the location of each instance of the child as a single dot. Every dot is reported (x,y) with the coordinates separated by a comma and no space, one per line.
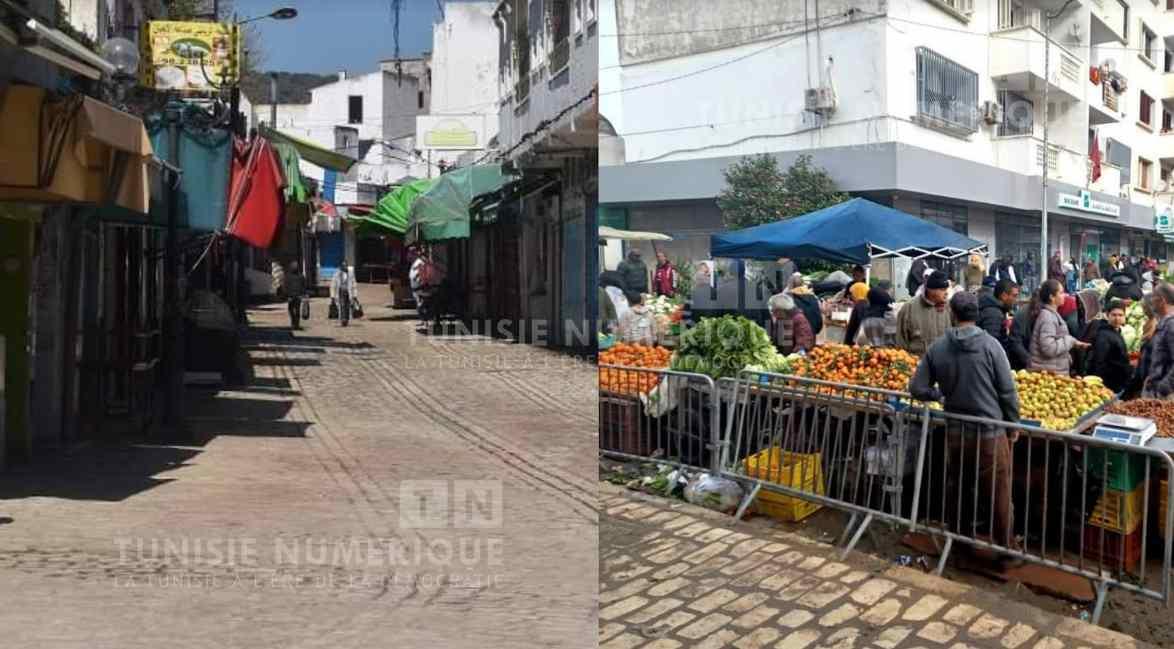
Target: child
(1108,358)
(637,325)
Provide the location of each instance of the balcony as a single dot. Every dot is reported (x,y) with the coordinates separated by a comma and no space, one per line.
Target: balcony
(1025,154)
(1110,180)
(1104,105)
(1017,63)
(1108,22)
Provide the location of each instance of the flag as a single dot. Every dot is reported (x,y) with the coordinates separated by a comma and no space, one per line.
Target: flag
(1095,156)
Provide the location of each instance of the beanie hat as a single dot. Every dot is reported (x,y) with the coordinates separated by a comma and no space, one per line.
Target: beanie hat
(859,291)
(937,280)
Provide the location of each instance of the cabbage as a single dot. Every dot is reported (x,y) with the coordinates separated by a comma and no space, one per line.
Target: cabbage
(721,347)
(1132,338)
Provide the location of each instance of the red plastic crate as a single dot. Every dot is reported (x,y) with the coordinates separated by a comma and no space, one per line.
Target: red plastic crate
(1114,543)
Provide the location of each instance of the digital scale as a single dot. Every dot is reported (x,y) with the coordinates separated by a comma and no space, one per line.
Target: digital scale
(1125,430)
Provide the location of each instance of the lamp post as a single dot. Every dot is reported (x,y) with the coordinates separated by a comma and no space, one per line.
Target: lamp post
(1043,238)
(285,13)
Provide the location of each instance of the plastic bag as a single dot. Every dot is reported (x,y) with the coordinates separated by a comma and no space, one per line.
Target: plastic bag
(662,399)
(711,492)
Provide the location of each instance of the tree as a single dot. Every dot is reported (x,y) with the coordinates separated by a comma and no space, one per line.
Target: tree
(757,192)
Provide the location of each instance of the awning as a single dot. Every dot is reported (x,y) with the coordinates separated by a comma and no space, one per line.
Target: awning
(393,210)
(255,198)
(312,153)
(443,211)
(90,153)
(295,187)
(606,232)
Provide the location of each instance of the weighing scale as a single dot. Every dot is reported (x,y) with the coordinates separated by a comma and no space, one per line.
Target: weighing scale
(1136,431)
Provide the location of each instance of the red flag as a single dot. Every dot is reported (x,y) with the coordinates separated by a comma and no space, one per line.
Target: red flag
(1095,156)
(255,204)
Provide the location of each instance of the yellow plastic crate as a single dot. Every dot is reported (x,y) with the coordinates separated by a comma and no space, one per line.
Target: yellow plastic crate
(1120,511)
(795,470)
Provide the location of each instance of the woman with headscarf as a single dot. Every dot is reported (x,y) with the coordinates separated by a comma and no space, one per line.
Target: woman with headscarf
(805,299)
(878,320)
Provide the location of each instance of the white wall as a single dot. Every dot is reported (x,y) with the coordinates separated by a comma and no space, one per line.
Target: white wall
(464,61)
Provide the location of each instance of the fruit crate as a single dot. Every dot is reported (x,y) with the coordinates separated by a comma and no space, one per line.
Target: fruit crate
(1120,511)
(1125,470)
(795,470)
(619,425)
(1115,543)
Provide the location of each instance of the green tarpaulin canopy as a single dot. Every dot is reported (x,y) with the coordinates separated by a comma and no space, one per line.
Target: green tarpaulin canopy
(295,187)
(443,211)
(310,152)
(392,212)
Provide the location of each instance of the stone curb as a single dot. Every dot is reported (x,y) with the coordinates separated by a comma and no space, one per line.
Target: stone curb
(1069,628)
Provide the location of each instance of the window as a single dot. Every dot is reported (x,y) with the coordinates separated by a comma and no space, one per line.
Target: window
(1120,156)
(945,215)
(1145,169)
(947,93)
(420,100)
(560,30)
(1018,114)
(1145,110)
(354,113)
(1167,121)
(1149,41)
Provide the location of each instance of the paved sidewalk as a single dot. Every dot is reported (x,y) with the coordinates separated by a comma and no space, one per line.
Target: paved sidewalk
(315,456)
(673,575)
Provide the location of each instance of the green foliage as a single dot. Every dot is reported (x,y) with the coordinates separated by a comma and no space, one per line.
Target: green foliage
(758,192)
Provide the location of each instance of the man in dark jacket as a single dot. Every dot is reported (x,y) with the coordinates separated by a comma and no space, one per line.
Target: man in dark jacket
(1122,287)
(994,311)
(1022,328)
(968,370)
(634,272)
(916,276)
(1109,358)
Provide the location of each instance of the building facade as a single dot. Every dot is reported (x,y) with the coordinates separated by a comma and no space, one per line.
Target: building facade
(936,107)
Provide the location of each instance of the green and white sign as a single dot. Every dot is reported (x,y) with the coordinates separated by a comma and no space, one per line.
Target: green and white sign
(1084,202)
(1164,219)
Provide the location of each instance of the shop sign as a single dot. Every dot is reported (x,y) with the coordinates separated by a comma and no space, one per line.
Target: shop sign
(188,56)
(450,132)
(1164,219)
(1084,202)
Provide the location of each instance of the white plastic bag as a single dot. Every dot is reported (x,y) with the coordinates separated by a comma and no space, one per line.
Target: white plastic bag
(662,399)
(712,492)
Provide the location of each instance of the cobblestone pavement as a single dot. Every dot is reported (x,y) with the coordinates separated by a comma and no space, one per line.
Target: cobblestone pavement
(299,478)
(673,575)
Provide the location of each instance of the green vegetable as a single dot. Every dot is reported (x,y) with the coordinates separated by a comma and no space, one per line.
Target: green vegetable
(1132,338)
(721,347)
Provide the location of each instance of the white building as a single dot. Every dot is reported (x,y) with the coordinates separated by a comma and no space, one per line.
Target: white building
(369,116)
(935,107)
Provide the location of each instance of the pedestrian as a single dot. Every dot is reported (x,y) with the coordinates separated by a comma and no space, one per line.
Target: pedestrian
(1159,383)
(342,292)
(1071,275)
(1005,269)
(1091,271)
(925,318)
(975,271)
(807,300)
(295,291)
(702,279)
(664,279)
(859,277)
(1108,357)
(994,317)
(1071,314)
(638,324)
(1051,341)
(857,316)
(635,272)
(968,371)
(916,276)
(1056,268)
(789,329)
(878,320)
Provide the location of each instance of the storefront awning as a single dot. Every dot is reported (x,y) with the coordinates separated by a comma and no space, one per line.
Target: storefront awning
(312,153)
(75,150)
(606,232)
(443,211)
(393,211)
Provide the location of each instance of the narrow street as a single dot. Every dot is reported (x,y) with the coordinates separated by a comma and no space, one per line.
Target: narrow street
(113,546)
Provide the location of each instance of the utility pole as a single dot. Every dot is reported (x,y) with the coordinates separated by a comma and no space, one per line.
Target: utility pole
(1042,266)
(273,100)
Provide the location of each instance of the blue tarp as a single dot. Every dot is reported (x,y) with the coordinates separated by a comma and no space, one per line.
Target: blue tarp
(851,232)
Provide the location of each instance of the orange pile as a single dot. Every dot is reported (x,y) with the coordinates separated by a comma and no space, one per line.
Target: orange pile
(631,382)
(875,367)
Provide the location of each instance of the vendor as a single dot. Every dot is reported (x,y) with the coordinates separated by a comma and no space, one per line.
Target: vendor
(789,329)
(925,318)
(860,298)
(1108,358)
(878,319)
(859,276)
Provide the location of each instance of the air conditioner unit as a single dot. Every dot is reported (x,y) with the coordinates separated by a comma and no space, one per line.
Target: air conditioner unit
(992,112)
(820,100)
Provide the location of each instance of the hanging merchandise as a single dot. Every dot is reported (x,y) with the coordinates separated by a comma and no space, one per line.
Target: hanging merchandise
(1094,75)
(205,155)
(256,197)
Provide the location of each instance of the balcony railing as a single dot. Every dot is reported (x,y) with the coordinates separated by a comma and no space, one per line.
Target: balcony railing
(560,56)
(1109,97)
(1013,15)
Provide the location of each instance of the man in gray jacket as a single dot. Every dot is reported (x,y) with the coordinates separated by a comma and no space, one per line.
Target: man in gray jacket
(968,370)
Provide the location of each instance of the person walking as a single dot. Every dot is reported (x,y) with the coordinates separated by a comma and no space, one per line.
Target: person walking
(916,276)
(1051,342)
(968,371)
(295,291)
(1159,382)
(1108,358)
(635,272)
(1004,269)
(342,291)
(789,329)
(1071,275)
(664,278)
(925,318)
(1056,268)
(1091,271)
(994,317)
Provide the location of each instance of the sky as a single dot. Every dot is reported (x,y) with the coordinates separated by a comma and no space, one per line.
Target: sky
(332,35)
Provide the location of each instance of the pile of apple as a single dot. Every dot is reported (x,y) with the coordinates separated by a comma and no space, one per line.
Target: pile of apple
(1058,402)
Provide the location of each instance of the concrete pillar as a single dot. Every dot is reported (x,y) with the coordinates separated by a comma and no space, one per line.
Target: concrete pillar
(50,276)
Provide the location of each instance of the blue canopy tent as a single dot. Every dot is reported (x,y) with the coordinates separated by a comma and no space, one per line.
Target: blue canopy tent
(851,232)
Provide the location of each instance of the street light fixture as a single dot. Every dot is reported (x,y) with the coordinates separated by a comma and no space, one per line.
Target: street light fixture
(285,13)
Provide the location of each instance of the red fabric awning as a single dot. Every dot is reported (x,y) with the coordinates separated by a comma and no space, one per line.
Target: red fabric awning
(255,200)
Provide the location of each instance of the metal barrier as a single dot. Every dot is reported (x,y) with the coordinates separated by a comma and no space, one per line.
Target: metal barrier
(833,444)
(1066,501)
(659,414)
